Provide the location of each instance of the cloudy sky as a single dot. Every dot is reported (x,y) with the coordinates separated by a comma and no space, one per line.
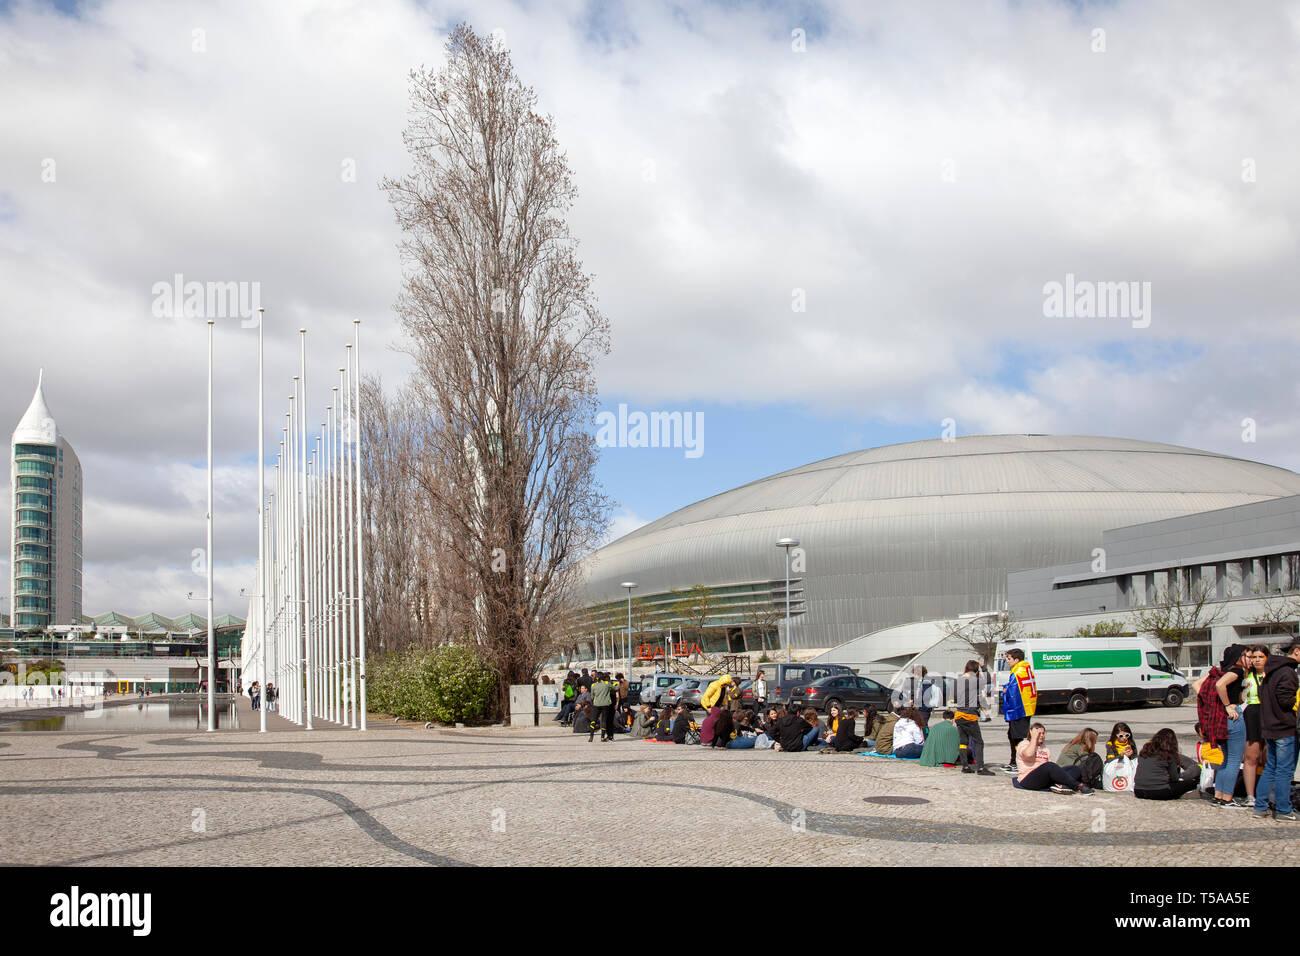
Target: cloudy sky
(822,226)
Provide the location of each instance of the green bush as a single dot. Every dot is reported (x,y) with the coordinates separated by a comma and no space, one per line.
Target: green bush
(446,684)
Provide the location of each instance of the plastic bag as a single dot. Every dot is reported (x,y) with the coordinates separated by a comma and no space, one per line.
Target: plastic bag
(1117,776)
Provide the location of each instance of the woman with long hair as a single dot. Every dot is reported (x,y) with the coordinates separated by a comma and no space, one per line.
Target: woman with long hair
(1162,772)
(1236,659)
(909,737)
(1252,763)
(1120,742)
(845,738)
(1081,751)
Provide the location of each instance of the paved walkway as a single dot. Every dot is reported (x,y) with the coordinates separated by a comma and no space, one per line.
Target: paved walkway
(400,794)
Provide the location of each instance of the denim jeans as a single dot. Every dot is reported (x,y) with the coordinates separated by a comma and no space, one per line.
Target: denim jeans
(1275,781)
(1226,779)
(908,750)
(742,743)
(810,738)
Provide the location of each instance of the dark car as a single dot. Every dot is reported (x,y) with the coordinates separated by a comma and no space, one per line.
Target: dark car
(847,690)
(784,680)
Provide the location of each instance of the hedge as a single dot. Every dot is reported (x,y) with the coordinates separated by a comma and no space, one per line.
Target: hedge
(446,684)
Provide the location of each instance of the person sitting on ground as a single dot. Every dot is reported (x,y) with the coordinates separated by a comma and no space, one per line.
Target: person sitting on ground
(1035,770)
(834,717)
(1120,743)
(1162,772)
(664,725)
(845,739)
(796,731)
(735,702)
(766,727)
(943,745)
(724,729)
(885,732)
(682,724)
(1081,752)
(643,724)
(909,738)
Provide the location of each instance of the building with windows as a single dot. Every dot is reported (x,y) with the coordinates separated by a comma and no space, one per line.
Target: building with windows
(45,519)
(894,540)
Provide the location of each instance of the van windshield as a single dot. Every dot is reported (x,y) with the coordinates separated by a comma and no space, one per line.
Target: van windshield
(1158,662)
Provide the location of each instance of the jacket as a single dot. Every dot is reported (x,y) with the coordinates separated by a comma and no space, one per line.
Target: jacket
(790,731)
(1020,695)
(1277,698)
(1209,709)
(706,728)
(643,725)
(680,726)
(907,732)
(942,746)
(1159,773)
(714,692)
(602,694)
(885,734)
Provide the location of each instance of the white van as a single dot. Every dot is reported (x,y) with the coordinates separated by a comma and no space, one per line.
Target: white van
(1078,671)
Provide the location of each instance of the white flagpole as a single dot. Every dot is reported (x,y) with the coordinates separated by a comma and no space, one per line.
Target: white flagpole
(331,558)
(349,562)
(361,562)
(261,517)
(302,425)
(212,644)
(295,604)
(345,649)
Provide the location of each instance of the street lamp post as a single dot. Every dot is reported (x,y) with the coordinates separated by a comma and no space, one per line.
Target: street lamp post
(787,543)
(628,667)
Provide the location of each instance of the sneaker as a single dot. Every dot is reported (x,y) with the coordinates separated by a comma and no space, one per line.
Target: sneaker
(1287,817)
(1010,768)
(1058,788)
(776,746)
(968,769)
(1228,804)
(1261,814)
(985,772)
(1084,789)
(1243,803)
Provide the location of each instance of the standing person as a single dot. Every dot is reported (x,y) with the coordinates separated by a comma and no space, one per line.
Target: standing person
(760,690)
(734,701)
(966,718)
(1036,771)
(1278,699)
(602,698)
(1209,712)
(1019,702)
(1228,688)
(623,690)
(1162,772)
(1253,759)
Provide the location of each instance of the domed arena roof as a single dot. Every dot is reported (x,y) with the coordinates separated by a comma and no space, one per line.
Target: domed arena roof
(927,529)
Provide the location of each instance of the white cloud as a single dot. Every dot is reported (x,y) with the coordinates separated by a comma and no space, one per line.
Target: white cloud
(771,171)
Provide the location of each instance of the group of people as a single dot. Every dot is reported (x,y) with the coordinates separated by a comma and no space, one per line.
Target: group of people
(271,696)
(1248,717)
(1247,726)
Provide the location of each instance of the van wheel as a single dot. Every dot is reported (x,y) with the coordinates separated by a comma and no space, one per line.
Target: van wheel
(1173,698)
(1077,704)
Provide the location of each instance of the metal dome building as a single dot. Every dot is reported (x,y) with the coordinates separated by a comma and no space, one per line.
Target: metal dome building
(910,532)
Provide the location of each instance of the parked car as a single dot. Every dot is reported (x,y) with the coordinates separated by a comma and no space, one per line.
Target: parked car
(692,689)
(847,690)
(783,680)
(654,686)
(633,692)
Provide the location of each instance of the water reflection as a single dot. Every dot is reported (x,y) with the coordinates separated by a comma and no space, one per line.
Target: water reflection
(188,714)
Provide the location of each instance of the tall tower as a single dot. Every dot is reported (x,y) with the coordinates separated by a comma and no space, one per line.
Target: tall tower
(45,578)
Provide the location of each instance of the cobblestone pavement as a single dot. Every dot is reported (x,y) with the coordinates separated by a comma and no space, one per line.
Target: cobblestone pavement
(404,795)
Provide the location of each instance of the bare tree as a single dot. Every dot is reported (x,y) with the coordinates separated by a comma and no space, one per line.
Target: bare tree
(767,618)
(693,606)
(982,635)
(504,328)
(1279,613)
(1179,612)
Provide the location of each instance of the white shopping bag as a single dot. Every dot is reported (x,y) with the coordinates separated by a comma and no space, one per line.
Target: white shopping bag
(1208,772)
(1117,775)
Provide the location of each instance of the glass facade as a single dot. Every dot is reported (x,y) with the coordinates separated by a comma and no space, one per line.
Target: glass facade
(33,534)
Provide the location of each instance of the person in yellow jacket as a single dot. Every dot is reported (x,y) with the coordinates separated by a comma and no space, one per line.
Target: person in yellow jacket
(715,691)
